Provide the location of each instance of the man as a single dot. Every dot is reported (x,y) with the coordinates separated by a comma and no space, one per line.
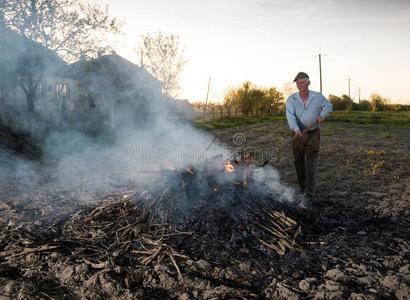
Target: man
(305,111)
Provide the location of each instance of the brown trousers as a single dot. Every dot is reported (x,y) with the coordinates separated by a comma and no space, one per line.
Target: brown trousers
(306,153)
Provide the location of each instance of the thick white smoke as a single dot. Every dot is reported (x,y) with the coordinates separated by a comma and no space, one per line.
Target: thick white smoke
(141,138)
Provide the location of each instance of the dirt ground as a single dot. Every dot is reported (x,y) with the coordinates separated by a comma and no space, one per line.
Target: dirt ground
(355,235)
(361,167)
(363,199)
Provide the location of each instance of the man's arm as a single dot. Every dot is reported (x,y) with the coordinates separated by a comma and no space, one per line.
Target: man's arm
(326,108)
(291,116)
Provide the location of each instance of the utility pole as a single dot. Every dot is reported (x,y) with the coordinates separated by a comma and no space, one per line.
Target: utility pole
(359,94)
(207,94)
(348,80)
(320,71)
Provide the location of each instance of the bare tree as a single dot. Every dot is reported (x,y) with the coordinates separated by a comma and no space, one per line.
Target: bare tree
(72,28)
(29,70)
(163,58)
(288,89)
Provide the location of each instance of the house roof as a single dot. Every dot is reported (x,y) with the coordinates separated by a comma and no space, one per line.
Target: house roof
(112,61)
(112,69)
(13,45)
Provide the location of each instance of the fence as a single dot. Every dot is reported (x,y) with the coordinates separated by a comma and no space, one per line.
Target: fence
(220,112)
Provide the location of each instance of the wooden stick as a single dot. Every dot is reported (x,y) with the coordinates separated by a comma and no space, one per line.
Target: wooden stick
(286,142)
(28,251)
(180,277)
(147,260)
(270,246)
(177,233)
(271,231)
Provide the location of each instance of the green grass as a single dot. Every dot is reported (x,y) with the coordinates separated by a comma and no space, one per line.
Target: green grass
(368,117)
(233,122)
(359,118)
(371,117)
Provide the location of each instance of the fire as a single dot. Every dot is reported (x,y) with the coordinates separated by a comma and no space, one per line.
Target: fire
(229,168)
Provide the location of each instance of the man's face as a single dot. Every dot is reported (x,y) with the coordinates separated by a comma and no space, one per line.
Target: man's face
(302,84)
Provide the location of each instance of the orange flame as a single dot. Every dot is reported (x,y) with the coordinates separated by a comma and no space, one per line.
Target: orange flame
(229,168)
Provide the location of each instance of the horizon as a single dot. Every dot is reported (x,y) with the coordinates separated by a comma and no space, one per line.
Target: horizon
(268,42)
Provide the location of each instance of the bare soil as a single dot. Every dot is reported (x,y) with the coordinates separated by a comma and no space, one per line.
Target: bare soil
(362,208)
(355,235)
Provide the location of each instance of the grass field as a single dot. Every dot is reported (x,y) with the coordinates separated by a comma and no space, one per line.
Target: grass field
(395,119)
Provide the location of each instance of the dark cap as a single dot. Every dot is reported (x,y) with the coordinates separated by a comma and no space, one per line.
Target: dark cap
(301,75)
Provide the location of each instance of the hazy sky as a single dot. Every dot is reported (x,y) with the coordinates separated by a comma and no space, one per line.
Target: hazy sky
(268,42)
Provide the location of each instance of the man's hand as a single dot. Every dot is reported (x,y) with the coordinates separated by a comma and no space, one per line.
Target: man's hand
(297,133)
(319,120)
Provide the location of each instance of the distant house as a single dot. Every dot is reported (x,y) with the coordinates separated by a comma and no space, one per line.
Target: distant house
(89,95)
(119,91)
(110,78)
(58,93)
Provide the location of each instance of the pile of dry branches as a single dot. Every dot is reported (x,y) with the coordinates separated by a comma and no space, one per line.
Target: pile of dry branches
(116,233)
(125,234)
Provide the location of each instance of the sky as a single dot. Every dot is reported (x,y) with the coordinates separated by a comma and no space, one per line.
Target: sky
(268,42)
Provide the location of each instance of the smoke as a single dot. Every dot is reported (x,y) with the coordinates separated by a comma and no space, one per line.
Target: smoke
(117,131)
(137,158)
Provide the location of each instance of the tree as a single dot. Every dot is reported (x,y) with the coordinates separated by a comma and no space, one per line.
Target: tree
(230,99)
(30,68)
(378,103)
(71,28)
(7,78)
(288,89)
(244,99)
(162,56)
(257,99)
(1,12)
(249,98)
(274,98)
(362,105)
(341,103)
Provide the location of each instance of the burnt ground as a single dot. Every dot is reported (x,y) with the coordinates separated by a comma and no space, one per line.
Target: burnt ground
(362,209)
(353,244)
